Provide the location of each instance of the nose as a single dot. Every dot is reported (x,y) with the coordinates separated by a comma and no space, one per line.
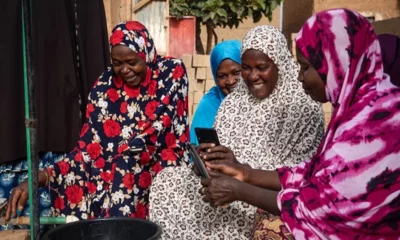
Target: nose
(232,79)
(124,69)
(300,77)
(253,76)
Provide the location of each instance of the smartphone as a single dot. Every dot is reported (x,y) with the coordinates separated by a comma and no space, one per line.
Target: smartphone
(207,135)
(197,160)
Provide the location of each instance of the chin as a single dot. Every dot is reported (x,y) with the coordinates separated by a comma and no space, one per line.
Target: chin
(260,94)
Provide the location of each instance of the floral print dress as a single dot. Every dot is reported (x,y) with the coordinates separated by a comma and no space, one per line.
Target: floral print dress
(102,177)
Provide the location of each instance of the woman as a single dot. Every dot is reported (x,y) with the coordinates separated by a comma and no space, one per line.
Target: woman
(267,121)
(351,188)
(225,67)
(136,125)
(390,46)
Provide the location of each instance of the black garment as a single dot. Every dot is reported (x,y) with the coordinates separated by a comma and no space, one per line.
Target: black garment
(59,82)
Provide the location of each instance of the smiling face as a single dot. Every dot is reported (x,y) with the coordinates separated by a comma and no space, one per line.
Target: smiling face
(259,73)
(311,80)
(127,64)
(228,75)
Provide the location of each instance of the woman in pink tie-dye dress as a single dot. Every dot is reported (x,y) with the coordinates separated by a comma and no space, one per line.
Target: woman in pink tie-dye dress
(351,188)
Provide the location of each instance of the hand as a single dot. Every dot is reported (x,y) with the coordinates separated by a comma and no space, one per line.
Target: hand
(235,170)
(210,152)
(219,190)
(18,198)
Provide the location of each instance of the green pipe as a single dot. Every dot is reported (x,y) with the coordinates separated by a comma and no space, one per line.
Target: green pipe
(33,230)
(53,220)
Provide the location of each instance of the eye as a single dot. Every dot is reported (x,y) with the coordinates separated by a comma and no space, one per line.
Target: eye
(220,76)
(132,63)
(116,63)
(237,72)
(263,68)
(304,67)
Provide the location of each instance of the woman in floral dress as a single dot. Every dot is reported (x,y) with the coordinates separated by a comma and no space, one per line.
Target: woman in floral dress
(136,125)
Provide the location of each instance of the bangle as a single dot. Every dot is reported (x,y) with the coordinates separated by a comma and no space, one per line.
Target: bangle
(47,177)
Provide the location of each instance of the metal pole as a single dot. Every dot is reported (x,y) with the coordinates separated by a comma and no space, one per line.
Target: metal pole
(30,120)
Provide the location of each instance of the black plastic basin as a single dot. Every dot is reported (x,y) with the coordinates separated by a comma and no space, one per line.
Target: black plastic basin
(106,229)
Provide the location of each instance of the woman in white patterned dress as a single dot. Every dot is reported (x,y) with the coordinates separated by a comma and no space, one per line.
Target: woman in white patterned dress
(267,122)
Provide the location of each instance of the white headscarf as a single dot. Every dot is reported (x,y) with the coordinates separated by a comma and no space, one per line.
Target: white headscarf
(281,130)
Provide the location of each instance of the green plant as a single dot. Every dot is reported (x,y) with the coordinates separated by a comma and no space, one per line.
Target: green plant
(224,13)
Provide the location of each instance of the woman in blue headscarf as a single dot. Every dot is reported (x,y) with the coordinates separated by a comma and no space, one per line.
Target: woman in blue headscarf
(225,67)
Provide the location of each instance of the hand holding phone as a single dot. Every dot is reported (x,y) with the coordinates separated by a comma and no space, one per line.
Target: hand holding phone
(207,135)
(197,160)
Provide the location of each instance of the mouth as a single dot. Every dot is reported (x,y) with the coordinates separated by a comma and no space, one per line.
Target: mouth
(231,88)
(130,78)
(258,86)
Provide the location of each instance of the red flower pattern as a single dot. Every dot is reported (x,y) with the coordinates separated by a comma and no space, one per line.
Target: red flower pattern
(94,150)
(113,94)
(128,181)
(151,108)
(103,137)
(74,194)
(111,128)
(64,167)
(116,37)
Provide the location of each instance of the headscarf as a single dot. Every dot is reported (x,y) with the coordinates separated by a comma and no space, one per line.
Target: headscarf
(351,188)
(101,177)
(209,104)
(283,129)
(390,47)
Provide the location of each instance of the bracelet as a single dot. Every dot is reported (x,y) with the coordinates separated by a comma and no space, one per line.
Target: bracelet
(47,177)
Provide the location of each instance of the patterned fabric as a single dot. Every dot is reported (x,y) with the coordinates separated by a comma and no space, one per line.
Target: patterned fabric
(270,228)
(351,188)
(210,102)
(281,130)
(101,177)
(12,174)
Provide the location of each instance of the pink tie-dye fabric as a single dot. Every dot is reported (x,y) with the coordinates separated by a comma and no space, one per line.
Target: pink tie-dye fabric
(351,188)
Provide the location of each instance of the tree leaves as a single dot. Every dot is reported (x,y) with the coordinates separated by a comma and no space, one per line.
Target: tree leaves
(224,12)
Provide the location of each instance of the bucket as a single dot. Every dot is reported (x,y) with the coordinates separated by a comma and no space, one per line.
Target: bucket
(106,229)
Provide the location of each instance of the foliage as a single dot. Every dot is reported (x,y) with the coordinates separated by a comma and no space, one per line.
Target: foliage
(224,12)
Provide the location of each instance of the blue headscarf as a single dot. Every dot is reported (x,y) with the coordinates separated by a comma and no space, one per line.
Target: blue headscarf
(209,104)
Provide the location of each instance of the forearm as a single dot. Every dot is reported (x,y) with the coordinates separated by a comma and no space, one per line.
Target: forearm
(259,197)
(264,179)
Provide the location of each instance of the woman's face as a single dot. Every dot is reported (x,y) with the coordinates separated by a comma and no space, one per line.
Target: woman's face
(259,73)
(311,80)
(228,75)
(127,64)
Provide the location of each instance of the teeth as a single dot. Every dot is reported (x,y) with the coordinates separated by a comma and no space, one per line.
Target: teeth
(258,86)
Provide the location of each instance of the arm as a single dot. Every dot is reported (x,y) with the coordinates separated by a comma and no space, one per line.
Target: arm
(263,179)
(258,197)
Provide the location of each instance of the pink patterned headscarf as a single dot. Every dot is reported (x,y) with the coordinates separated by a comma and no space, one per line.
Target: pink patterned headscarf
(351,188)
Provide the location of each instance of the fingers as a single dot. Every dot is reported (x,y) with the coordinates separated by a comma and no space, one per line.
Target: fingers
(218,165)
(8,212)
(214,174)
(219,148)
(22,201)
(213,155)
(205,182)
(16,194)
(204,146)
